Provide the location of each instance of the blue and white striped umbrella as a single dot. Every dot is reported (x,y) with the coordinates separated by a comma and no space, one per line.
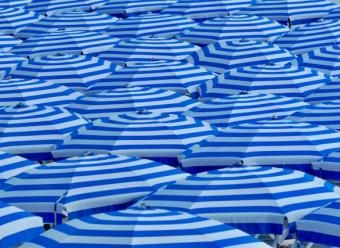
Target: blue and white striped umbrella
(311,36)
(325,59)
(17,226)
(13,20)
(83,185)
(195,9)
(179,76)
(74,71)
(8,62)
(334,14)
(122,100)
(74,20)
(326,93)
(84,42)
(281,143)
(237,109)
(234,27)
(14,3)
(35,92)
(32,131)
(328,167)
(225,55)
(290,11)
(144,49)
(321,226)
(7,42)
(286,80)
(254,199)
(156,25)
(148,228)
(133,7)
(161,137)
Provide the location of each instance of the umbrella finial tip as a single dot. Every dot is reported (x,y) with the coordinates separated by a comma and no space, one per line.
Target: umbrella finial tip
(274,117)
(88,153)
(20,105)
(143,205)
(243,92)
(142,111)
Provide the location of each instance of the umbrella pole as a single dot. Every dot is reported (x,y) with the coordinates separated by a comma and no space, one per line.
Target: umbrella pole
(289,23)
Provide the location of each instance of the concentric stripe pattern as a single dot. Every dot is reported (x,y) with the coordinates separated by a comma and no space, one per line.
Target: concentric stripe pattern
(7,42)
(328,167)
(326,93)
(8,62)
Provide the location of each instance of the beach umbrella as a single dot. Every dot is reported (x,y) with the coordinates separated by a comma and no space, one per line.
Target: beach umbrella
(328,92)
(35,92)
(282,143)
(234,27)
(178,76)
(74,71)
(311,36)
(325,59)
(328,167)
(14,3)
(334,14)
(13,20)
(195,9)
(133,7)
(148,49)
(83,185)
(286,80)
(290,11)
(321,226)
(225,55)
(122,100)
(8,62)
(7,42)
(138,227)
(237,109)
(32,131)
(156,25)
(72,20)
(257,200)
(17,226)
(84,42)
(156,136)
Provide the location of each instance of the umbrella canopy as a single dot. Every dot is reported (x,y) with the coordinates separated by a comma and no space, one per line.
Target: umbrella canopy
(311,36)
(325,59)
(13,20)
(225,55)
(74,71)
(84,185)
(35,92)
(32,131)
(74,20)
(84,42)
(234,27)
(286,80)
(148,49)
(254,199)
(14,3)
(237,109)
(178,76)
(147,228)
(334,14)
(161,137)
(326,93)
(158,25)
(195,9)
(8,62)
(328,167)
(7,42)
(122,100)
(282,143)
(321,226)
(17,226)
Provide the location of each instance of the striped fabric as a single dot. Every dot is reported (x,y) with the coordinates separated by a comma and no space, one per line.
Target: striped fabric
(334,14)
(146,228)
(84,42)
(144,49)
(237,109)
(161,137)
(84,185)
(326,93)
(32,131)
(74,20)
(17,226)
(253,199)
(122,100)
(311,36)
(325,59)
(7,42)
(8,62)
(14,3)
(13,20)
(74,71)
(281,143)
(35,92)
(195,9)
(328,167)
(322,226)
(157,25)
(164,74)
(234,27)
(286,80)
(225,55)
